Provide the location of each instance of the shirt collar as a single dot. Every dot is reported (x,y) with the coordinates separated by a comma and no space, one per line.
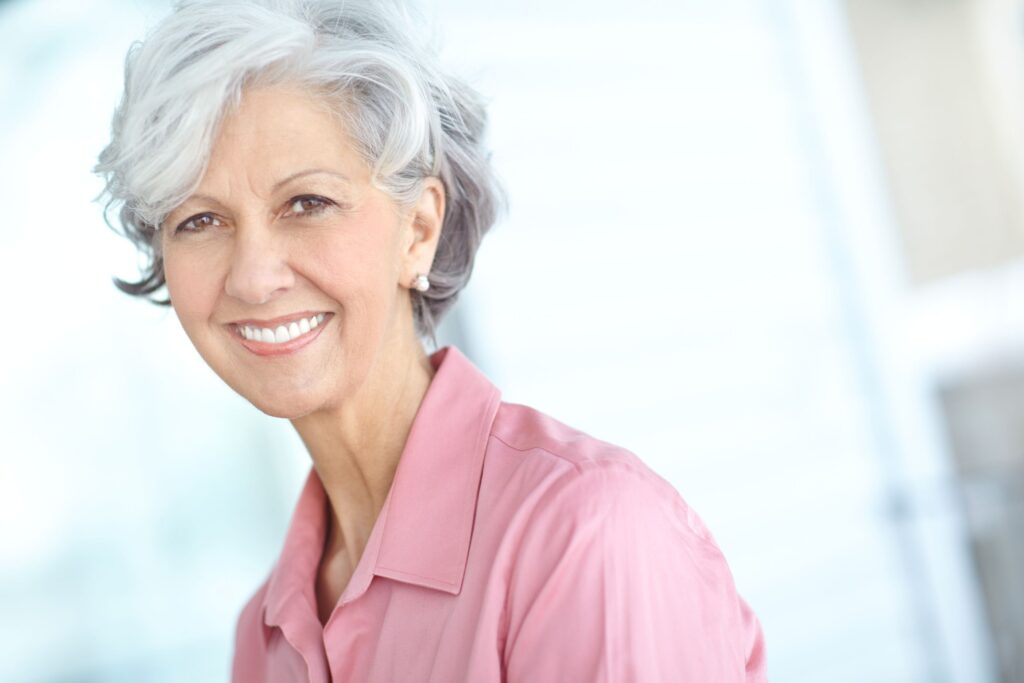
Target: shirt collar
(425,525)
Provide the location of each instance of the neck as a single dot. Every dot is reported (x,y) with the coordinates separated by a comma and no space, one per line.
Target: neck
(356,446)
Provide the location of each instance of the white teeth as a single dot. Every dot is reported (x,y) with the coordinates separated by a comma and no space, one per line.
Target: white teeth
(282,333)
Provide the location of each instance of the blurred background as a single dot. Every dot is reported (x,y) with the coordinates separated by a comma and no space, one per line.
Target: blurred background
(773,247)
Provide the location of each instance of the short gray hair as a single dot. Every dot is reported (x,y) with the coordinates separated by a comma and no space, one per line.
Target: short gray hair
(410,119)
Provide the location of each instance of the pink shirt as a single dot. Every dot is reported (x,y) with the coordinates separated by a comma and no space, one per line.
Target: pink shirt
(510,547)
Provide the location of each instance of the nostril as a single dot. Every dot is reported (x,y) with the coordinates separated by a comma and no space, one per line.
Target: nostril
(257,288)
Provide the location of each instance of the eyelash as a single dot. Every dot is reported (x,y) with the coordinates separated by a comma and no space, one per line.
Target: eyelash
(322,204)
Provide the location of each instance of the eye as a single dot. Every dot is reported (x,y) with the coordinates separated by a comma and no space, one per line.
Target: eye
(308,205)
(198,222)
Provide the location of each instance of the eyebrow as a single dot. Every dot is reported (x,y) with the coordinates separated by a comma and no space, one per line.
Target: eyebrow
(308,171)
(279,184)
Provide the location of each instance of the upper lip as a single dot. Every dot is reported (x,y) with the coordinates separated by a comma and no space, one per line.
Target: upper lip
(280,320)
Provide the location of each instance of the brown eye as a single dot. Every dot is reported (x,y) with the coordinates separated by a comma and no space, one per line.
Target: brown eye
(198,223)
(308,205)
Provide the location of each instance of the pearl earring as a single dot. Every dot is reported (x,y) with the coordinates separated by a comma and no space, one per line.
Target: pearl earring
(421,284)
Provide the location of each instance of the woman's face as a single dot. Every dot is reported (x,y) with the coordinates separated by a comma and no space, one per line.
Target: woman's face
(287,269)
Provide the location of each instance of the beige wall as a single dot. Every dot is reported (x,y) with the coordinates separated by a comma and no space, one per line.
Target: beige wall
(943,83)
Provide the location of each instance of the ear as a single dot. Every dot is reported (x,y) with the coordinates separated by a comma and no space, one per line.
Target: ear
(424,231)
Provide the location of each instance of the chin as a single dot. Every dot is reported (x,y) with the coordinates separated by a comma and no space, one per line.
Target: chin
(286,410)
(287,406)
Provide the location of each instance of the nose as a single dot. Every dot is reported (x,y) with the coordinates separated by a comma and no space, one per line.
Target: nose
(259,270)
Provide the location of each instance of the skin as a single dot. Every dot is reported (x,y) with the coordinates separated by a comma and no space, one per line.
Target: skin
(241,248)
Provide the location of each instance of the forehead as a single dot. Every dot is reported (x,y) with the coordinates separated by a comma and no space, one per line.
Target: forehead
(277,130)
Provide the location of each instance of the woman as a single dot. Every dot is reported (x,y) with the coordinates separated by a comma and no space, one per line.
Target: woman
(311,187)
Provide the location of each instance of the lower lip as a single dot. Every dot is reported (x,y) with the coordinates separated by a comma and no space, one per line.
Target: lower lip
(267,349)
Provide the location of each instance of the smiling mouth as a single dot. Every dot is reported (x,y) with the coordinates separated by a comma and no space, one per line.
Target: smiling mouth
(280,334)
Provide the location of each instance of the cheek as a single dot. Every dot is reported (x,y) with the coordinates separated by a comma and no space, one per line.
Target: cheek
(191,285)
(357,264)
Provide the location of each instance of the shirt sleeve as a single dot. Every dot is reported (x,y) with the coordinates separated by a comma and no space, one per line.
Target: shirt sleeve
(617,579)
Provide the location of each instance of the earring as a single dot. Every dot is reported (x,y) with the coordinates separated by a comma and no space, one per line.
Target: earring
(421,284)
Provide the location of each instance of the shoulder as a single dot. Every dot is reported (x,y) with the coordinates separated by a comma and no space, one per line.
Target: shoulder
(611,571)
(527,429)
(573,475)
